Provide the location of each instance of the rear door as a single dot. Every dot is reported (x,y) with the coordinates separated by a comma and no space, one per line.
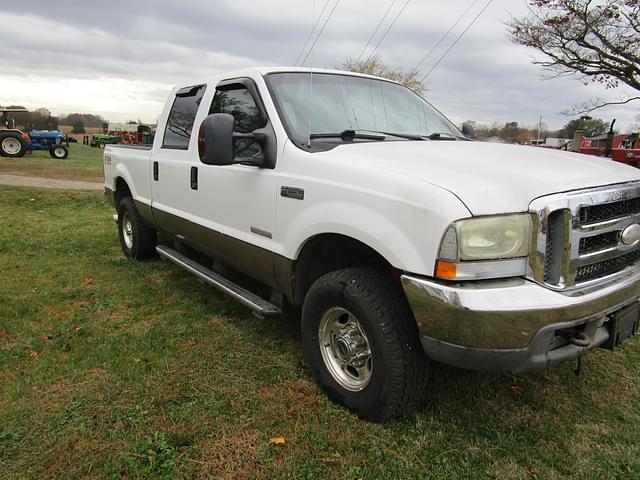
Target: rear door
(172,155)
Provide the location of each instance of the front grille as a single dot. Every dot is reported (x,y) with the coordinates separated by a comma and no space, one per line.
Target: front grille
(603,241)
(579,235)
(607,211)
(606,267)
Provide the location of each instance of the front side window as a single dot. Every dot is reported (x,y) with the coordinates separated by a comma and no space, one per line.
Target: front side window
(182,116)
(238,101)
(337,103)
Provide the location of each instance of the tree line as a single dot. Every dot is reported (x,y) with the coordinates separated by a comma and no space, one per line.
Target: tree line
(42,119)
(512,132)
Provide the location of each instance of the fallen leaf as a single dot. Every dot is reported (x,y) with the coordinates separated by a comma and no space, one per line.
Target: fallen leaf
(75,328)
(33,354)
(277,441)
(3,334)
(87,281)
(46,338)
(136,360)
(517,389)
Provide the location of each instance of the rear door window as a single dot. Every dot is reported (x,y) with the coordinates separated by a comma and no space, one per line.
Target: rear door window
(182,116)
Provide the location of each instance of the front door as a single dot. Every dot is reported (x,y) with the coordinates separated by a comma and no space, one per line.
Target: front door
(238,202)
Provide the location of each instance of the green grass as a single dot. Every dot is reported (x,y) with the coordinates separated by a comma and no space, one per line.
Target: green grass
(83,163)
(113,368)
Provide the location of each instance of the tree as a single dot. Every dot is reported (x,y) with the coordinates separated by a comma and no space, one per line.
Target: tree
(87,120)
(78,127)
(592,127)
(373,66)
(511,131)
(592,41)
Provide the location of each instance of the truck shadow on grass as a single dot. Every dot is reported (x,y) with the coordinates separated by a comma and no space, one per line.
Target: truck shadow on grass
(553,393)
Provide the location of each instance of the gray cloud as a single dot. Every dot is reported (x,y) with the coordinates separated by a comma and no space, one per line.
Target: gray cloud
(156,44)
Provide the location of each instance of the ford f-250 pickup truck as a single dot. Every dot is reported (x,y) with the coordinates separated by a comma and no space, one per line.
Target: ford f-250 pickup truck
(401,240)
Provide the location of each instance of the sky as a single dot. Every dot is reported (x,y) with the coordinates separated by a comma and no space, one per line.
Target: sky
(119,59)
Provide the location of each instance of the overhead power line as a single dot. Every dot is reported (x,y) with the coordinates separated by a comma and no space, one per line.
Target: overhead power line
(464,14)
(320,32)
(376,29)
(442,57)
(389,29)
(313,29)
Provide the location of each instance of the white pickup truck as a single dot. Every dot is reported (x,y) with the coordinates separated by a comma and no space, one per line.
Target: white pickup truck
(401,240)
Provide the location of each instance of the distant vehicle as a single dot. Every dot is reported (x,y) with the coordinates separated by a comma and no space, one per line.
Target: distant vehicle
(624,148)
(16,143)
(100,140)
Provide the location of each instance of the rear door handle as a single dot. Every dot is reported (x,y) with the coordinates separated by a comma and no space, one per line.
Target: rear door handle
(155,171)
(194,178)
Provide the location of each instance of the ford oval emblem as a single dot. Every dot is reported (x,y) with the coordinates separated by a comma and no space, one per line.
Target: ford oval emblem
(631,234)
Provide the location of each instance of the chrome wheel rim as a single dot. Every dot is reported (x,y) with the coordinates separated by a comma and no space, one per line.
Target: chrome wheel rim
(58,152)
(127,231)
(11,146)
(345,349)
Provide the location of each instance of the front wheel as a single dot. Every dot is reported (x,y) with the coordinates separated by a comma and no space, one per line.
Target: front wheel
(361,343)
(59,152)
(137,240)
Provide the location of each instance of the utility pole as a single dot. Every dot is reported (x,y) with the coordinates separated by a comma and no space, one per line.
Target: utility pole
(539,128)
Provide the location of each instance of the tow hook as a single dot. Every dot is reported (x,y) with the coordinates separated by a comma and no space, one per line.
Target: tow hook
(579,339)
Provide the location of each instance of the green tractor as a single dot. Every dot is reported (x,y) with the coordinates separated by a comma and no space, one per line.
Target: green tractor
(100,140)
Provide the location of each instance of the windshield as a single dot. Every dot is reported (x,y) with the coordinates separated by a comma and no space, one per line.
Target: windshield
(345,102)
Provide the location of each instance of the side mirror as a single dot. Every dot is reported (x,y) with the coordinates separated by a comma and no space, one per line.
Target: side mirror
(215,139)
(467,130)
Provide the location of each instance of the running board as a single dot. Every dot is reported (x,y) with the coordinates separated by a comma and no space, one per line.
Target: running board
(256,303)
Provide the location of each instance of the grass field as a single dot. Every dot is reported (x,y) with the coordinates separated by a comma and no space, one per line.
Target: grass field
(84,163)
(113,368)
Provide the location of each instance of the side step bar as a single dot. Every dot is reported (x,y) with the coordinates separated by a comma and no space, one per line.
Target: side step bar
(256,303)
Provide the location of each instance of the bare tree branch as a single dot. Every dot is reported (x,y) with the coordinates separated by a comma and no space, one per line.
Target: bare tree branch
(593,41)
(589,107)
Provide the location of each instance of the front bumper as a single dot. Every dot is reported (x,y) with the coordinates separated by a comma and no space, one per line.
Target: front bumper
(512,325)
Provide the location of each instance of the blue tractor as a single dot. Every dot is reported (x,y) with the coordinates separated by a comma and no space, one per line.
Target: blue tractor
(15,143)
(54,141)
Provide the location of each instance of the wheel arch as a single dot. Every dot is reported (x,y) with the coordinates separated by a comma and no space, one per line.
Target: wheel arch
(326,252)
(121,190)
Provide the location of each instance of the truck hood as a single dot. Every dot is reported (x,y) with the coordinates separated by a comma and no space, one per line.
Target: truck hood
(488,177)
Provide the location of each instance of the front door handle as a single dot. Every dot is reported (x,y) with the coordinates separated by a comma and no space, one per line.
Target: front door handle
(194,178)
(155,171)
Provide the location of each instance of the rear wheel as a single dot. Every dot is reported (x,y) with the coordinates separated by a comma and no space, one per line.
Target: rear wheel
(59,152)
(361,343)
(11,145)
(137,240)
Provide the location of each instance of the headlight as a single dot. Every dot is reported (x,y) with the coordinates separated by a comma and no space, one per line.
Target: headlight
(468,243)
(489,238)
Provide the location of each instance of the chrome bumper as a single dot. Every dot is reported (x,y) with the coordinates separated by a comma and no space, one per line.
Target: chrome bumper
(511,324)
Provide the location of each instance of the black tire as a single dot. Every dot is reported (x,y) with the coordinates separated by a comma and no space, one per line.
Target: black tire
(11,145)
(59,152)
(141,243)
(399,367)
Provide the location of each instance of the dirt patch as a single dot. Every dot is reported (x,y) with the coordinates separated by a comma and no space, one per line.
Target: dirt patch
(20,181)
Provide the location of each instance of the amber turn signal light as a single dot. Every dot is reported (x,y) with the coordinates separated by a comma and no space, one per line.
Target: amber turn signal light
(445,270)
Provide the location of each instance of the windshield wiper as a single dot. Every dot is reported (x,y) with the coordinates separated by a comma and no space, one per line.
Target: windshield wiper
(347,136)
(407,136)
(443,136)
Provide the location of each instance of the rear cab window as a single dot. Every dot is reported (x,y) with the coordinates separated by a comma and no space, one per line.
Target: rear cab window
(182,116)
